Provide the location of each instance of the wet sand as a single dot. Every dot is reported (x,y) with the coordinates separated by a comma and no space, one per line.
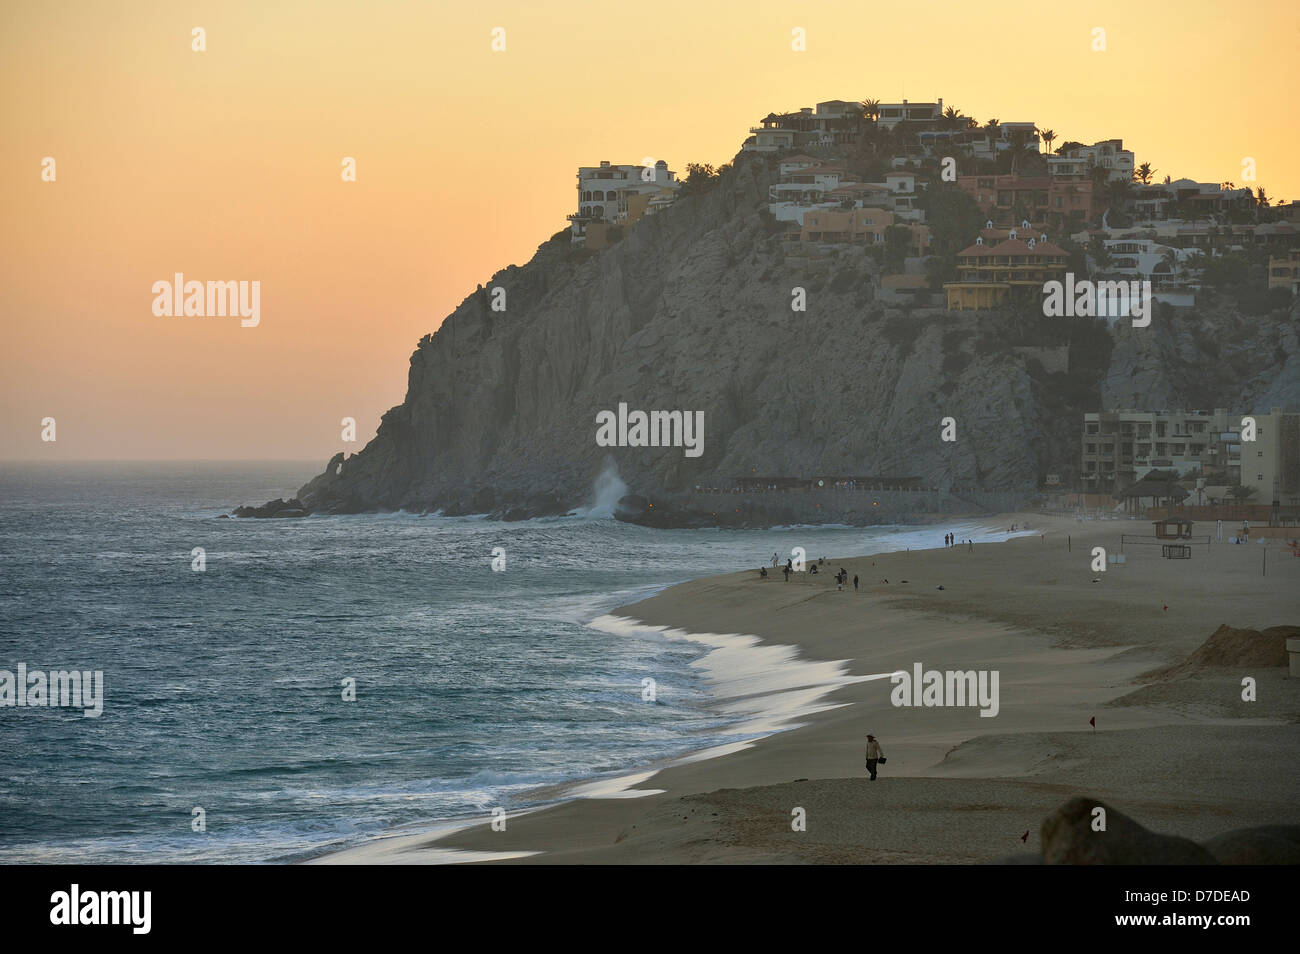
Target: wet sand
(1184,756)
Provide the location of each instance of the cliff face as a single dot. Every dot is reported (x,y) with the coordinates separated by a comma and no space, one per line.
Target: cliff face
(692,311)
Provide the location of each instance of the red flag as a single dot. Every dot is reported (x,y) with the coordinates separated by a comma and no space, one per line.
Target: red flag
(1093,722)
(1025,837)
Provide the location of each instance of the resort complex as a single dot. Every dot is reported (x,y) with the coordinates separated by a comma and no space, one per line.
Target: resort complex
(888,177)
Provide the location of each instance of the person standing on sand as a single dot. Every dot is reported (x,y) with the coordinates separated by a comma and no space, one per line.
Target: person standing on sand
(774,561)
(874,755)
(855,582)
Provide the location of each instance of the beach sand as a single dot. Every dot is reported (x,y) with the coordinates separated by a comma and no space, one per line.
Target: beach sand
(1183,756)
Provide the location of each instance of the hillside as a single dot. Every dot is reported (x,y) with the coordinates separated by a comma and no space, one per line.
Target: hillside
(691,311)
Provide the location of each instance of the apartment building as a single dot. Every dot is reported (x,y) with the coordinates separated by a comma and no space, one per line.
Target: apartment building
(1284,271)
(1271,462)
(1121,447)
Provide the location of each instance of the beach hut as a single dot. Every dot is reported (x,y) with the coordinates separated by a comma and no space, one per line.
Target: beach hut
(1173,528)
(1153,489)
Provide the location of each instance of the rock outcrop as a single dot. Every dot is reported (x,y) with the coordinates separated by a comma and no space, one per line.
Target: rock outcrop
(692,311)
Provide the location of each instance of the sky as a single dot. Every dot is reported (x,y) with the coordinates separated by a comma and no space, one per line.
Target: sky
(225,165)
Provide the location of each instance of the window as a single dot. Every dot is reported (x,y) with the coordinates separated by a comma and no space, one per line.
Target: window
(1259,453)
(1259,476)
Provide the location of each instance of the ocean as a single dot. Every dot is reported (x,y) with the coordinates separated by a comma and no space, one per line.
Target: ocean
(224,690)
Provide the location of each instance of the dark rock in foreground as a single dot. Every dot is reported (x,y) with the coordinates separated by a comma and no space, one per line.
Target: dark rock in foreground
(1266,845)
(1069,839)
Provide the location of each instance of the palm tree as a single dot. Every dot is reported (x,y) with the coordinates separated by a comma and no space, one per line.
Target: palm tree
(871,109)
(1017,147)
(1143,173)
(1242,493)
(953,119)
(1049,137)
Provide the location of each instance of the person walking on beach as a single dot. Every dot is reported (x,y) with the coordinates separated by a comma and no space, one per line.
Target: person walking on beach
(855,582)
(774,560)
(874,755)
(787,572)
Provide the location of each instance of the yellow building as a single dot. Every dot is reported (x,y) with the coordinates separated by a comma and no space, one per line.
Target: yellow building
(860,226)
(988,275)
(1284,271)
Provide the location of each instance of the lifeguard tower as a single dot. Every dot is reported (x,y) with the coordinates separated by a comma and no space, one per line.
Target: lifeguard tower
(1174,528)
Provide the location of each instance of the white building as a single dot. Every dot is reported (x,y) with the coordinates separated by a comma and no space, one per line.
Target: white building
(600,189)
(1109,154)
(1066,167)
(891,114)
(1144,258)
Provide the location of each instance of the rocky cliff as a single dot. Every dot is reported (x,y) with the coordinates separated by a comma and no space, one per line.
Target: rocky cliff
(692,311)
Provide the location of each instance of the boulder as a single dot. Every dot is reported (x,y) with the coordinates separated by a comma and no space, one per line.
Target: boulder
(1265,845)
(1068,839)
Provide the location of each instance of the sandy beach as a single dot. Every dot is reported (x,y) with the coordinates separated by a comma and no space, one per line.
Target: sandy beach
(1181,753)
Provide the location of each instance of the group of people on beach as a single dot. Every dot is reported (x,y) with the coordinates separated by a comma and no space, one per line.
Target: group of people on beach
(950,540)
(841,578)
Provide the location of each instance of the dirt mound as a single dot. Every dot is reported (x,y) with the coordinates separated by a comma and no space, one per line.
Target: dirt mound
(1229,648)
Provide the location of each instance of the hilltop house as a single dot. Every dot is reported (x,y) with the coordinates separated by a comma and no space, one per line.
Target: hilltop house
(833,123)
(1109,154)
(1036,197)
(1164,266)
(928,114)
(610,195)
(852,226)
(991,274)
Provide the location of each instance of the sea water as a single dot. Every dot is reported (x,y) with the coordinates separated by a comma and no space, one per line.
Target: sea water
(225,734)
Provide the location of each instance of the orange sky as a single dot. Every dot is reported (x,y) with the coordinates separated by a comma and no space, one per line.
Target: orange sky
(224,165)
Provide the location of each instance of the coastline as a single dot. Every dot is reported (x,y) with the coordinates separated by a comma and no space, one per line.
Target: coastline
(956,783)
